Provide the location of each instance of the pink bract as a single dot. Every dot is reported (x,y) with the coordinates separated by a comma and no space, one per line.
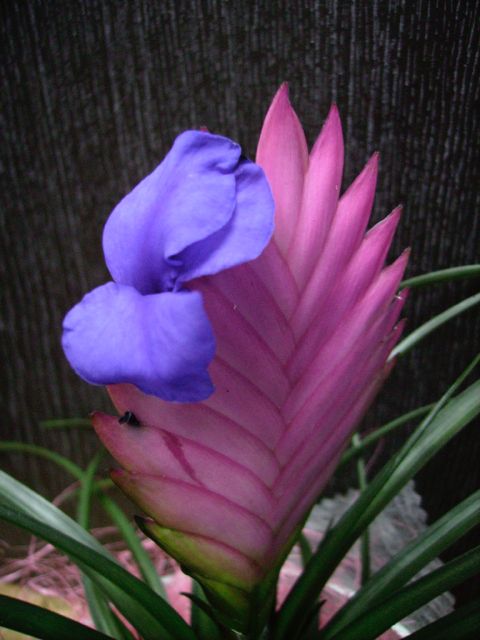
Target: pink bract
(303,338)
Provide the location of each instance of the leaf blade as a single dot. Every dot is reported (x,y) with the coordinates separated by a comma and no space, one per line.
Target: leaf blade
(462,624)
(141,557)
(371,438)
(442,275)
(434,323)
(408,562)
(41,623)
(104,618)
(59,525)
(449,421)
(406,600)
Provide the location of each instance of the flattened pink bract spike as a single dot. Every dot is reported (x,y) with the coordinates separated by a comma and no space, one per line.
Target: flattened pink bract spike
(303,337)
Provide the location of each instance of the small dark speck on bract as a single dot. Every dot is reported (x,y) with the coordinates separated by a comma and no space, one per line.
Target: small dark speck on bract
(129,418)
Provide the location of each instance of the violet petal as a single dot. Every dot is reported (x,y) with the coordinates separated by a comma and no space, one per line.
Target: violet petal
(244,236)
(162,343)
(189,196)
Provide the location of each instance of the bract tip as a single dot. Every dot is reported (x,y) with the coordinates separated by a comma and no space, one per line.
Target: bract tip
(333,106)
(331,132)
(374,160)
(116,473)
(397,212)
(281,97)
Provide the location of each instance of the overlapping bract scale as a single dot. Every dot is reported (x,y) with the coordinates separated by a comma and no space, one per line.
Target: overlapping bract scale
(303,337)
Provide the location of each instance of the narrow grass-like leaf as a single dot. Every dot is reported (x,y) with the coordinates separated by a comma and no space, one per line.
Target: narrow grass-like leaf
(21,447)
(124,526)
(462,624)
(395,474)
(203,619)
(408,562)
(61,461)
(141,557)
(66,423)
(21,498)
(148,626)
(147,601)
(86,490)
(305,549)
(104,618)
(407,600)
(365,537)
(425,329)
(371,438)
(41,623)
(438,406)
(443,275)
(116,514)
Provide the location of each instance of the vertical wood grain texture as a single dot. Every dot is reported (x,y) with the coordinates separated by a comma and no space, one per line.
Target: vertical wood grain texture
(93,93)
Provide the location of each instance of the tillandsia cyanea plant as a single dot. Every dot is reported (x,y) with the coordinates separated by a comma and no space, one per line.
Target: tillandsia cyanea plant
(246,377)
(248,326)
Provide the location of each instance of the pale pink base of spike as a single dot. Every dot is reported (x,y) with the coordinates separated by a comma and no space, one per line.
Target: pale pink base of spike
(303,336)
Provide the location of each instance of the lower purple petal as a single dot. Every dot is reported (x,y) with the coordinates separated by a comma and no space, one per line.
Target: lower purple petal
(162,343)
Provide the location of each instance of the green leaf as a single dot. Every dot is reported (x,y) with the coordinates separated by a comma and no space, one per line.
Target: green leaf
(152,616)
(365,537)
(41,623)
(371,438)
(225,620)
(101,614)
(425,329)
(86,490)
(20,497)
(462,624)
(45,515)
(204,622)
(444,275)
(61,461)
(407,600)
(141,557)
(425,424)
(104,618)
(406,564)
(66,423)
(412,457)
(305,548)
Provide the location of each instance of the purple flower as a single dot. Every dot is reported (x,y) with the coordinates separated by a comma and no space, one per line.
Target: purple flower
(204,209)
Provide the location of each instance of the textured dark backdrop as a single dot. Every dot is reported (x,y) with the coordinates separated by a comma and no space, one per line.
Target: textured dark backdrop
(94,92)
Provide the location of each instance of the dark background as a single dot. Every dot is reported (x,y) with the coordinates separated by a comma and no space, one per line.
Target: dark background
(94,92)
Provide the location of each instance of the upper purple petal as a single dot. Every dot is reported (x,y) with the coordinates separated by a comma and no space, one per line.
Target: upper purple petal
(243,237)
(201,187)
(162,343)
